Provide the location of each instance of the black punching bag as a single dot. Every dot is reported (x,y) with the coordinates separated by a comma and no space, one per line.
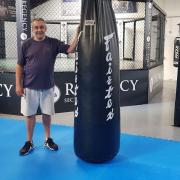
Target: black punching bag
(177,101)
(97,106)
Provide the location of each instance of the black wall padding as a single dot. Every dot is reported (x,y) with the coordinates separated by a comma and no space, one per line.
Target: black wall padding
(97,112)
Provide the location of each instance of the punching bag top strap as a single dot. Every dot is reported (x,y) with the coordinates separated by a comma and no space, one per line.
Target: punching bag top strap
(80,34)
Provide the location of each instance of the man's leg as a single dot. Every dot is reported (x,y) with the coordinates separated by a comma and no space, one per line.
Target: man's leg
(47,109)
(49,143)
(28,146)
(29,106)
(47,123)
(30,124)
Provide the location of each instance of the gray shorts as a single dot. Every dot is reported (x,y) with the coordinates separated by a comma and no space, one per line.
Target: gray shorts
(33,99)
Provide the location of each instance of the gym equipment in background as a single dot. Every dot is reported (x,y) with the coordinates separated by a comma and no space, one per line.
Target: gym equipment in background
(176,64)
(176,49)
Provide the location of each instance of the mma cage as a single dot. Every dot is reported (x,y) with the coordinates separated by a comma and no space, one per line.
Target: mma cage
(141,31)
(63,17)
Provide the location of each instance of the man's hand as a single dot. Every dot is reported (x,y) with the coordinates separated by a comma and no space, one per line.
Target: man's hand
(19,77)
(19,90)
(78,30)
(74,42)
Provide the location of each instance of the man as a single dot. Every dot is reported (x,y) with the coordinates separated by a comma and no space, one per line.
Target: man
(35,79)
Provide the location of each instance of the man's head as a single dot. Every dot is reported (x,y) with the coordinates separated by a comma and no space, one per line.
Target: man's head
(38,28)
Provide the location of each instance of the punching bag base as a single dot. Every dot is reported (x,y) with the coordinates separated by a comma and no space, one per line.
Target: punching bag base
(96,160)
(96,144)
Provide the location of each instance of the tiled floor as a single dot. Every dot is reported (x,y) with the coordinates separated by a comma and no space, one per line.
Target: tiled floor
(154,119)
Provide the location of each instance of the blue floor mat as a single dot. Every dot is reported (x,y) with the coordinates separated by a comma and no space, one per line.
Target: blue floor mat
(139,158)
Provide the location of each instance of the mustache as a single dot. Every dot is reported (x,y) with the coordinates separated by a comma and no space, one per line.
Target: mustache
(39,32)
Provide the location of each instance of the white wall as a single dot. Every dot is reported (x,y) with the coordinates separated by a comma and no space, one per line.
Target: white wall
(171,7)
(160,3)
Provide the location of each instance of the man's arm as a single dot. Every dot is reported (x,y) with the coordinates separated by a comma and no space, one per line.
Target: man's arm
(74,43)
(19,78)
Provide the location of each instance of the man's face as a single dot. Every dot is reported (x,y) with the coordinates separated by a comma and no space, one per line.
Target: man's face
(39,29)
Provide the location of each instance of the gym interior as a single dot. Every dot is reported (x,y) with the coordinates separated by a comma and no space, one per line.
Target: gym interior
(149,46)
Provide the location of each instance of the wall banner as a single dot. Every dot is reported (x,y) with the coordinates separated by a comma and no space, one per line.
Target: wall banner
(133,91)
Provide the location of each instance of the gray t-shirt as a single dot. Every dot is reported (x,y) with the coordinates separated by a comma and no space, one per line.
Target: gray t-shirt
(38,59)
